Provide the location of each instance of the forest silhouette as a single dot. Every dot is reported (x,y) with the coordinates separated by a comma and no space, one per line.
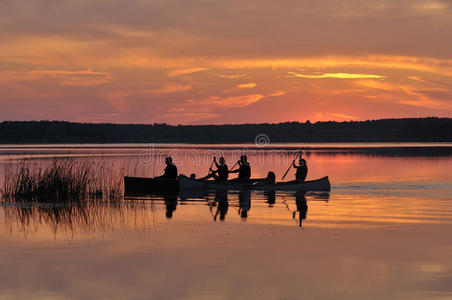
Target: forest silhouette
(384,130)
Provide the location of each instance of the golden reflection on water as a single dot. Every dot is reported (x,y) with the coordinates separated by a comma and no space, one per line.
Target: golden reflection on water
(381,233)
(343,209)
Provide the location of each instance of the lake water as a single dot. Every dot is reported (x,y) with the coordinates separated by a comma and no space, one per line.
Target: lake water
(383,232)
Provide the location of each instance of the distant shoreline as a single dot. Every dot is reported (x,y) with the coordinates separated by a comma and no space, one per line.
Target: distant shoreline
(424,150)
(411,130)
(235,146)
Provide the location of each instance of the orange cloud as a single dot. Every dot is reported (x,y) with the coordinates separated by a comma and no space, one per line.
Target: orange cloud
(430,6)
(342,116)
(166,89)
(230,102)
(232,76)
(122,31)
(246,85)
(207,108)
(325,116)
(380,85)
(426,103)
(185,71)
(422,99)
(67,72)
(334,75)
(171,88)
(416,78)
(346,91)
(277,94)
(425,64)
(63,77)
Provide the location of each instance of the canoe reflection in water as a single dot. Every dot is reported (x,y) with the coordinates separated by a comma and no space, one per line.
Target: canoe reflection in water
(220,201)
(88,218)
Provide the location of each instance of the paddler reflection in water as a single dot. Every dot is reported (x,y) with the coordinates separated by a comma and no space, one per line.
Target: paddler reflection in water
(244,203)
(302,169)
(271,197)
(244,169)
(171,204)
(302,206)
(221,197)
(170,169)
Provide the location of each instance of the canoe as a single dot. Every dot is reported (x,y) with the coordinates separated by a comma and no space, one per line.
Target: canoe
(135,186)
(322,184)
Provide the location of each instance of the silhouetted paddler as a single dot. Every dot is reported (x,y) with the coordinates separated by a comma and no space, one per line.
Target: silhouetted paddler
(244,169)
(222,171)
(170,169)
(302,169)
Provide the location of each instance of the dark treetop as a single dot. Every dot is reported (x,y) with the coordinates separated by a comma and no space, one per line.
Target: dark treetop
(385,130)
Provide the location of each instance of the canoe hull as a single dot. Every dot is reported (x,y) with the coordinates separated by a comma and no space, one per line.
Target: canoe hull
(135,186)
(322,184)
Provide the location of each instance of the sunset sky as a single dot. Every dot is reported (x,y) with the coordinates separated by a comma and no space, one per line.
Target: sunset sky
(218,61)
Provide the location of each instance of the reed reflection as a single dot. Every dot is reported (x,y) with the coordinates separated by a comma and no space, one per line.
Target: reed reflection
(73,219)
(139,213)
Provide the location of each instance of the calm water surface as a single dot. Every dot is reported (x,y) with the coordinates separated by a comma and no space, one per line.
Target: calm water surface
(383,232)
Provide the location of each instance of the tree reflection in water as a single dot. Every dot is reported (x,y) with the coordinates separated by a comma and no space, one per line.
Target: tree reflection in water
(87,218)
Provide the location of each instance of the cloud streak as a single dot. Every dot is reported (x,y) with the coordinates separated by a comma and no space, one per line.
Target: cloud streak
(334,75)
(248,85)
(62,77)
(185,71)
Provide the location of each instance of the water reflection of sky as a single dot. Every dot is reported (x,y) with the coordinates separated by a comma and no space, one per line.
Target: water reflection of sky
(381,233)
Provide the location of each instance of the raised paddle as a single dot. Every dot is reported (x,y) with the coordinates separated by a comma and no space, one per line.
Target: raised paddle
(234,165)
(211,165)
(296,156)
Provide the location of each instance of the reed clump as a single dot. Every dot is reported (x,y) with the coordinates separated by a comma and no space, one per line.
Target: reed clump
(62,180)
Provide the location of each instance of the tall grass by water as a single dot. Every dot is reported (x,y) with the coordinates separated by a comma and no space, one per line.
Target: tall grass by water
(62,180)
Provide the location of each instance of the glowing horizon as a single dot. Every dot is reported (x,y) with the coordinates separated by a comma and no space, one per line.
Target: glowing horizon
(147,61)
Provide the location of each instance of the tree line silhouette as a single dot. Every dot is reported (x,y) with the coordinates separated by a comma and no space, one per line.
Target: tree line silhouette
(385,130)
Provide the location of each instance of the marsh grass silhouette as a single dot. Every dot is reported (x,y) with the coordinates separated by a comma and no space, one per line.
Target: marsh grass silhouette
(63,180)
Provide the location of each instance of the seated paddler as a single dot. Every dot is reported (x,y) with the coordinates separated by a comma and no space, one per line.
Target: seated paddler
(222,171)
(302,170)
(170,169)
(244,169)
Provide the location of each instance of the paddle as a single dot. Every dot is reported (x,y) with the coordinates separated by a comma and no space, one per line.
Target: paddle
(234,165)
(211,165)
(296,156)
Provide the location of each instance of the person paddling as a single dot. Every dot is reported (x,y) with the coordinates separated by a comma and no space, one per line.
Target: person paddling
(302,169)
(170,169)
(244,169)
(222,171)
